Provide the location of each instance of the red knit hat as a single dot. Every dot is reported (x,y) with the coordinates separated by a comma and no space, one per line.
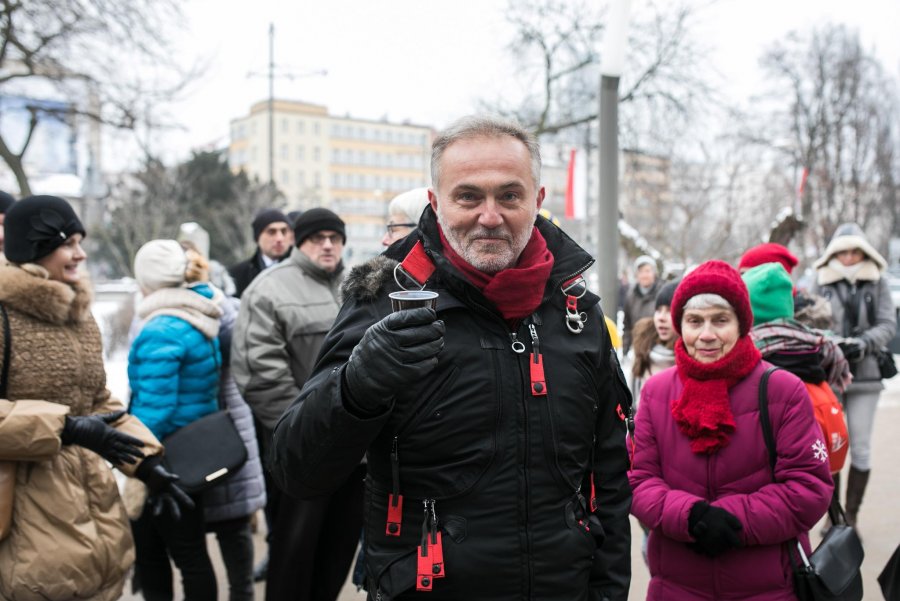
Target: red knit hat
(714,277)
(770,252)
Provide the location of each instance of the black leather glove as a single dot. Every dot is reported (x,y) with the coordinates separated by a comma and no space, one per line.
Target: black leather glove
(94,432)
(714,529)
(164,494)
(394,353)
(854,349)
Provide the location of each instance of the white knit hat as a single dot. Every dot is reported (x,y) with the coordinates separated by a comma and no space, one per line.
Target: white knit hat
(160,264)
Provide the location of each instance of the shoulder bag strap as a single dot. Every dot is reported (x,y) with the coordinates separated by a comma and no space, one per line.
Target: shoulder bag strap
(835,510)
(7,346)
(764,420)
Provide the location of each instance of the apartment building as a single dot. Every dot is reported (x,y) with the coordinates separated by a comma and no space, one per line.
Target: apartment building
(352,166)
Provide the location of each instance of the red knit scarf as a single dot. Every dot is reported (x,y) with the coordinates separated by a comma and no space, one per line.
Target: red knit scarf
(516,291)
(703,411)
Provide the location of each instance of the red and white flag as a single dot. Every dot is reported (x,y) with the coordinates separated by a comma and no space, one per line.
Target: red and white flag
(576,186)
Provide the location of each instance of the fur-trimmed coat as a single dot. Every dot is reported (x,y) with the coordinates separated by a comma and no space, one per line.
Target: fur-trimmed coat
(70,536)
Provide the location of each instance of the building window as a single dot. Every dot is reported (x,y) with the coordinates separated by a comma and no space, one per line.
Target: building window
(317,154)
(301,178)
(316,128)
(317,179)
(301,153)
(285,177)
(301,126)
(285,125)
(284,151)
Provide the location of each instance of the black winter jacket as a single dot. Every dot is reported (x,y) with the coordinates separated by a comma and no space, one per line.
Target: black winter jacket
(508,471)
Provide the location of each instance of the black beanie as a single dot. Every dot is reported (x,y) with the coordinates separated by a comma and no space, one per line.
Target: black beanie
(38,225)
(665,294)
(6,200)
(317,220)
(265,218)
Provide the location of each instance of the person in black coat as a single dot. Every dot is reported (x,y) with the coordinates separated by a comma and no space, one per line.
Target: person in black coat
(274,239)
(497,462)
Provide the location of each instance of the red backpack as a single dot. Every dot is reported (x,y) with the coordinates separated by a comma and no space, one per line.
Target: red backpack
(830,415)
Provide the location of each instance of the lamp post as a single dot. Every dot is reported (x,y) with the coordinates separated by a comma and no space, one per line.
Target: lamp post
(612,58)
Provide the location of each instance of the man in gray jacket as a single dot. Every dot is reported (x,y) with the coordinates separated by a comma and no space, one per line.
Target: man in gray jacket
(285,314)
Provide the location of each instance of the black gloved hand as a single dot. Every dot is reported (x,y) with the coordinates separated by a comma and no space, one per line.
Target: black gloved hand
(395,352)
(164,494)
(714,529)
(94,432)
(854,349)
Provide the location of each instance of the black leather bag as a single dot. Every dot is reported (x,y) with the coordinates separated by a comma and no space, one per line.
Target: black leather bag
(204,452)
(886,364)
(832,571)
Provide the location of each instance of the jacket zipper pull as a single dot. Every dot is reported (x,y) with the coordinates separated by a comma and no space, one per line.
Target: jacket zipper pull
(437,546)
(518,346)
(536,364)
(424,555)
(395,499)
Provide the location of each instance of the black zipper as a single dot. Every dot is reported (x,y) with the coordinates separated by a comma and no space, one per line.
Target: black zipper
(524,380)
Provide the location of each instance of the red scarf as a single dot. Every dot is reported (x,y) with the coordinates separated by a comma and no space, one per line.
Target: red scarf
(516,291)
(703,411)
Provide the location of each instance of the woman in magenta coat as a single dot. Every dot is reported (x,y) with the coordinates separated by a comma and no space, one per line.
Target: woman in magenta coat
(701,474)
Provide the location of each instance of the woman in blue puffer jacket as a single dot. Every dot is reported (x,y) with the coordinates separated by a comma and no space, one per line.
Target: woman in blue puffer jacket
(173,371)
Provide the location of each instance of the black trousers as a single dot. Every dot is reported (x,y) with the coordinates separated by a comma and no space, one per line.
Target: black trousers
(236,544)
(156,538)
(313,542)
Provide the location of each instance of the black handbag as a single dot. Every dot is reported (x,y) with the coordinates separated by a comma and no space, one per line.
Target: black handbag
(832,571)
(204,452)
(889,579)
(886,364)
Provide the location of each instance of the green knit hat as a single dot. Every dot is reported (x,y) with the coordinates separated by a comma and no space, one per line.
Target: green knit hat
(771,292)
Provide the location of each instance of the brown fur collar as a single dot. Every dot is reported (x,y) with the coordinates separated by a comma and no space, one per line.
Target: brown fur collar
(27,288)
(367,280)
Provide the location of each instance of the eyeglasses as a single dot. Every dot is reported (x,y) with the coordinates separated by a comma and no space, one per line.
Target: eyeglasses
(392,226)
(319,239)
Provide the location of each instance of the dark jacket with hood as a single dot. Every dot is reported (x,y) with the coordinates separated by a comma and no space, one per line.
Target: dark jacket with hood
(509,472)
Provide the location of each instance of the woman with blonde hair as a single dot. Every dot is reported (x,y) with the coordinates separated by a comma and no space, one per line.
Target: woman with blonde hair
(173,370)
(69,536)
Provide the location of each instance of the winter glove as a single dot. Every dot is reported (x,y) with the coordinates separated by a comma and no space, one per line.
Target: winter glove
(394,353)
(854,349)
(164,494)
(94,432)
(714,529)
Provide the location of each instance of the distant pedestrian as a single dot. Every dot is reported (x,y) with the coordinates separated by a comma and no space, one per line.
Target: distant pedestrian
(654,341)
(229,506)
(272,232)
(404,212)
(701,476)
(173,373)
(639,302)
(806,353)
(285,315)
(850,275)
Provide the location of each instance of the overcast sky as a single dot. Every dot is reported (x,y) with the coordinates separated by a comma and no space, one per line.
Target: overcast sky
(429,61)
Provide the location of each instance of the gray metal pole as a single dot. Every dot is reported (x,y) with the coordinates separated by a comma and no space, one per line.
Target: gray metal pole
(271,103)
(608,214)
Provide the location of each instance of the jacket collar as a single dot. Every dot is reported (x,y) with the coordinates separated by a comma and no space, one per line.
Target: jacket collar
(569,259)
(313,270)
(29,289)
(193,306)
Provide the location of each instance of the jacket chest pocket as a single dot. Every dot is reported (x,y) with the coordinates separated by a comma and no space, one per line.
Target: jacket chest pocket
(571,407)
(447,439)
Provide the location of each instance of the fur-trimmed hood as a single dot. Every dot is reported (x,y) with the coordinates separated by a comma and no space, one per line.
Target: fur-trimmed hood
(29,289)
(847,237)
